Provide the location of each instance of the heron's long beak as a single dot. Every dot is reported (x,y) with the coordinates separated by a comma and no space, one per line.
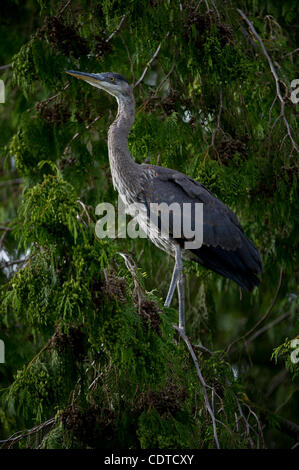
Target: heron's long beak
(87,77)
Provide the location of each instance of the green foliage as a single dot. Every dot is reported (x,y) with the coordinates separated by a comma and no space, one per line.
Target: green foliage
(49,210)
(221,182)
(286,351)
(24,70)
(88,342)
(164,432)
(36,390)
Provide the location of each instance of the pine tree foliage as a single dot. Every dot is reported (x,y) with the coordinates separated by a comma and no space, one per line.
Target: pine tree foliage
(92,358)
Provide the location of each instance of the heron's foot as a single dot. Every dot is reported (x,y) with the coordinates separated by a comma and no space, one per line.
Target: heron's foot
(180,329)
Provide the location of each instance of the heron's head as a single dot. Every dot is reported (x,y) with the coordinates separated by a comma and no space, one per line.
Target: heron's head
(113,83)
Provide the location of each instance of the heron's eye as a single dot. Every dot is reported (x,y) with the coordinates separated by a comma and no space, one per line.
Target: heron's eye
(112,79)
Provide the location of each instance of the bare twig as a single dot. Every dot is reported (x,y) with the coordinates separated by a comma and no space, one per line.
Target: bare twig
(248,37)
(132,269)
(84,210)
(216,10)
(95,380)
(63,8)
(150,62)
(276,381)
(267,327)
(276,78)
(164,79)
(48,100)
(5,67)
(287,399)
(155,94)
(44,348)
(245,420)
(5,231)
(21,434)
(6,264)
(117,29)
(202,381)
(75,136)
(216,130)
(262,318)
(291,53)
(218,117)
(129,57)
(9,182)
(258,423)
(2,239)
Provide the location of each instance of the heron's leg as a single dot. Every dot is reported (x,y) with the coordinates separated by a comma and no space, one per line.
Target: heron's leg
(181,287)
(172,285)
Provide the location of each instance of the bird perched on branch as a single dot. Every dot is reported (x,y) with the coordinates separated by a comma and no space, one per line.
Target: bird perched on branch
(225,248)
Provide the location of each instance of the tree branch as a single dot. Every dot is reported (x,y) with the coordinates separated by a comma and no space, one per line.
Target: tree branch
(5,67)
(8,182)
(276,78)
(6,264)
(150,62)
(202,381)
(267,327)
(75,136)
(117,29)
(262,318)
(21,434)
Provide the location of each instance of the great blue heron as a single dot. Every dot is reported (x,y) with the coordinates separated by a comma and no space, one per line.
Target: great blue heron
(225,248)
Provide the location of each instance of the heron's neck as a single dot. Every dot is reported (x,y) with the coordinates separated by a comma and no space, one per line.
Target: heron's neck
(122,164)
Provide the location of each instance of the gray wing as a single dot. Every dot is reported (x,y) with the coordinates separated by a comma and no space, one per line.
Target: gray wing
(220,225)
(226,249)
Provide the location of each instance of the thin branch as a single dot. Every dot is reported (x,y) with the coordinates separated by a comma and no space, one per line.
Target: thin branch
(8,182)
(267,327)
(5,231)
(151,97)
(248,37)
(46,346)
(95,380)
(216,130)
(262,318)
(117,29)
(64,8)
(2,239)
(286,400)
(48,100)
(258,422)
(217,12)
(21,434)
(150,62)
(84,211)
(5,67)
(202,381)
(218,117)
(75,136)
(290,53)
(164,79)
(6,264)
(276,78)
(132,269)
(129,57)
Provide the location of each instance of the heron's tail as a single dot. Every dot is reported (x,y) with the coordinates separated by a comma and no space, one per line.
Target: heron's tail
(241,265)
